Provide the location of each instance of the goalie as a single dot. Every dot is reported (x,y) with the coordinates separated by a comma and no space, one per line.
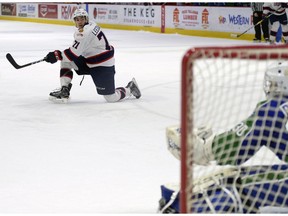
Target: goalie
(266,127)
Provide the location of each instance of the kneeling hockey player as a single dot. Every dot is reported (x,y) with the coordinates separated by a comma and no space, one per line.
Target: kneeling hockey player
(90,54)
(267,185)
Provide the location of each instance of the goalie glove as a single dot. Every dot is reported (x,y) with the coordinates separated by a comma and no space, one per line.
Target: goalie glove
(202,140)
(173,134)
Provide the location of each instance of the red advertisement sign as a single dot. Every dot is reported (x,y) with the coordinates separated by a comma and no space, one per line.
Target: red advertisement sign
(47,11)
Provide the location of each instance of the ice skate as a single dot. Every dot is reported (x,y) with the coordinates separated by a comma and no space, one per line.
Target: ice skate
(272,42)
(256,40)
(61,95)
(135,91)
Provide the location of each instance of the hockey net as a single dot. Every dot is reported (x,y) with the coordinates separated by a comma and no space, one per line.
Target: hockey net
(220,88)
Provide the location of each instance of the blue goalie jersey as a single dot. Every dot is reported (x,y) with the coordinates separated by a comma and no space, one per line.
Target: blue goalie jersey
(267,126)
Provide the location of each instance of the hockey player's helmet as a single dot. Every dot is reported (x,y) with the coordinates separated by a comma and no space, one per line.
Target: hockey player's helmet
(80,12)
(276,79)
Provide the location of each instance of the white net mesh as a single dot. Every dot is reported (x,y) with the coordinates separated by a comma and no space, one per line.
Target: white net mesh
(222,89)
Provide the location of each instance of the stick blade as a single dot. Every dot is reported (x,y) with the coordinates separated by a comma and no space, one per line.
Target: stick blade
(234,35)
(12,61)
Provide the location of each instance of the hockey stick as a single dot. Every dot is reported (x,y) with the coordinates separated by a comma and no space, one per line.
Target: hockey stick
(258,23)
(13,62)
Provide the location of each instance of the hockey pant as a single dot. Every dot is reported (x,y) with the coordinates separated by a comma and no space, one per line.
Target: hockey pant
(276,21)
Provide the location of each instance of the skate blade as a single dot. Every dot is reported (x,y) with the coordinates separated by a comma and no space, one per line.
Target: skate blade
(59,101)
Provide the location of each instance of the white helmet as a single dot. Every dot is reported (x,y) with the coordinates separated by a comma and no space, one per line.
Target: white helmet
(276,79)
(80,12)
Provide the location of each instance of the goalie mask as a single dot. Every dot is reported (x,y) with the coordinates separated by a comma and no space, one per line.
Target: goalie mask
(276,79)
(80,12)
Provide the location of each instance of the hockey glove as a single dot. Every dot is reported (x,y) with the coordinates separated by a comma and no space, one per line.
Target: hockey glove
(202,145)
(265,16)
(173,134)
(53,57)
(284,5)
(82,66)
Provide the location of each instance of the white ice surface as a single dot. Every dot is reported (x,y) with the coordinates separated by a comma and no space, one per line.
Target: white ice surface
(88,156)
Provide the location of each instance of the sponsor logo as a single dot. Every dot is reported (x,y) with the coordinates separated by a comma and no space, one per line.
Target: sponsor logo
(238,20)
(95,13)
(23,9)
(139,15)
(8,9)
(31,9)
(48,11)
(205,18)
(222,20)
(176,19)
(100,13)
(43,10)
(26,10)
(67,11)
(141,12)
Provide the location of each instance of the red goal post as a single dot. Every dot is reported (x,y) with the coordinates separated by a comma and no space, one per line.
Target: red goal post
(245,57)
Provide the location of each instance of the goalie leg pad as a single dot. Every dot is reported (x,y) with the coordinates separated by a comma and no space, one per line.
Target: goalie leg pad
(211,200)
(214,193)
(169,202)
